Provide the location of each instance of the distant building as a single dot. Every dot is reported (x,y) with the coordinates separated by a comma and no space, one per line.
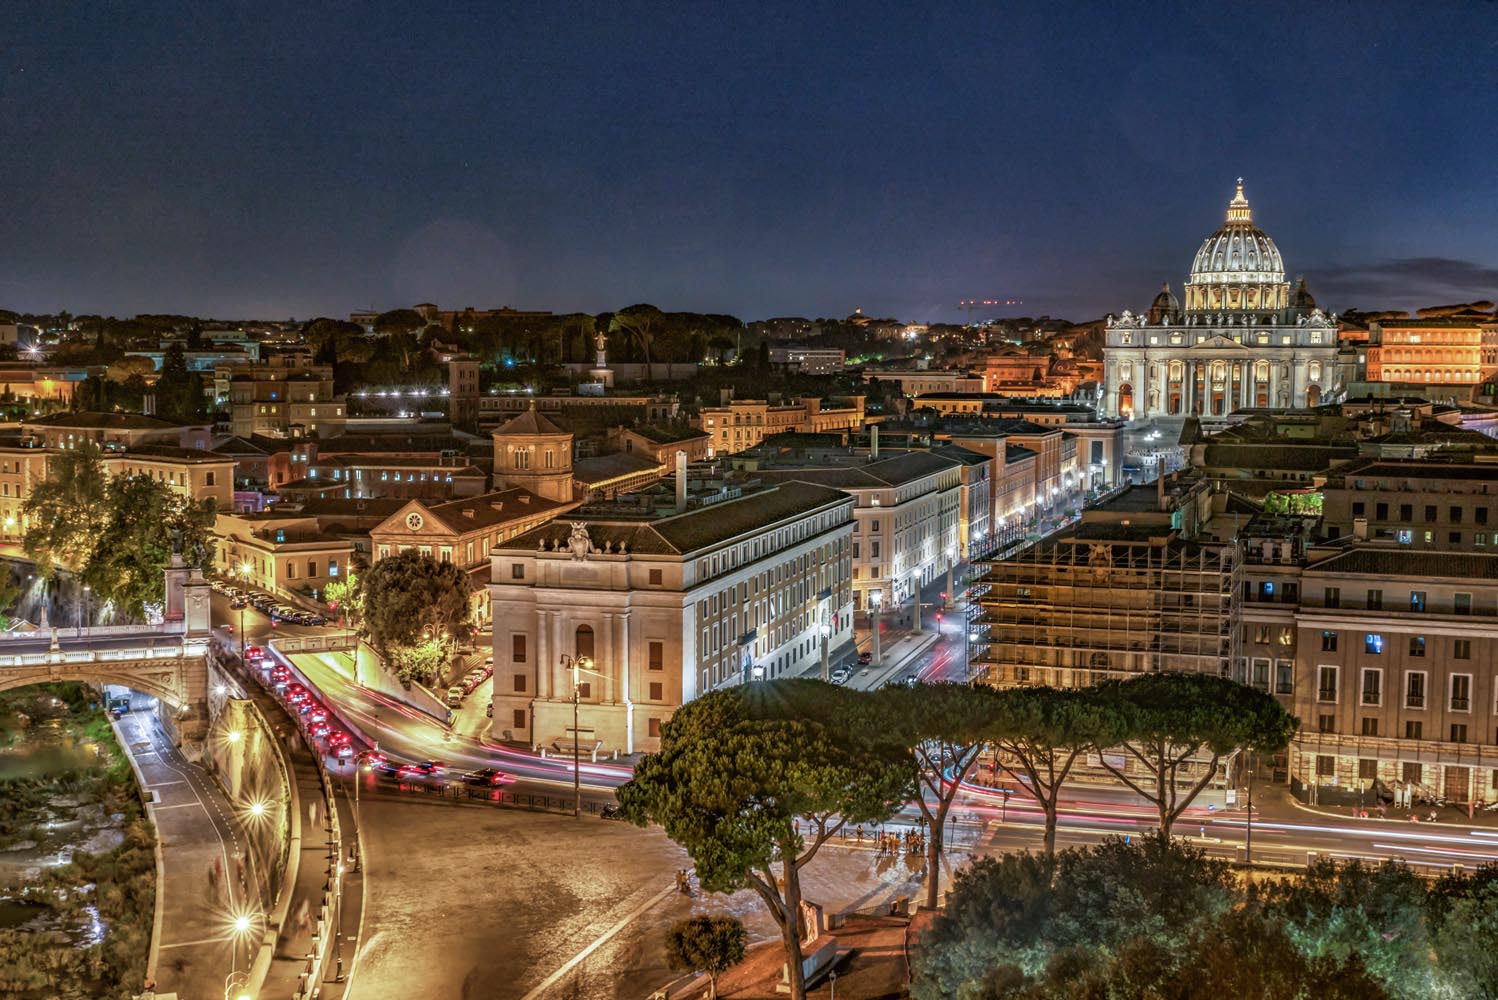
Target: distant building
(661,442)
(1449,352)
(280,399)
(116,431)
(917,383)
(532,453)
(738,424)
(809,360)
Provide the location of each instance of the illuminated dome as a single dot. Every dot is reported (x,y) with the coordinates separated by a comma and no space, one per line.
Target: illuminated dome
(1237,267)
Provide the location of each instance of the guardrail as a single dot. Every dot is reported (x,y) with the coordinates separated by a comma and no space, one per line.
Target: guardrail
(97,655)
(532,801)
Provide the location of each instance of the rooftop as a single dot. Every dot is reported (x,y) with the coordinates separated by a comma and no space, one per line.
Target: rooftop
(95,420)
(603,468)
(530,422)
(1408,562)
(501,507)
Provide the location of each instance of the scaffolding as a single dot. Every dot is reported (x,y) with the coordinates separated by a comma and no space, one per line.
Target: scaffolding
(1108,603)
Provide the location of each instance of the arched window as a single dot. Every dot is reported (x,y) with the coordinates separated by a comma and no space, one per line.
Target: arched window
(1261,371)
(1176,371)
(584,646)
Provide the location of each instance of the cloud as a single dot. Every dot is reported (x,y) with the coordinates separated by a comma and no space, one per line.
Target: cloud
(1404,280)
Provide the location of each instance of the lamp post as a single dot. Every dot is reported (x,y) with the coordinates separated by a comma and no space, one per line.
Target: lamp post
(83,607)
(826,634)
(875,599)
(1248,834)
(576,665)
(915,613)
(951,563)
(244,573)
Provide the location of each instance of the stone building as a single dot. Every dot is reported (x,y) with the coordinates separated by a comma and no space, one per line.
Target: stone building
(1243,338)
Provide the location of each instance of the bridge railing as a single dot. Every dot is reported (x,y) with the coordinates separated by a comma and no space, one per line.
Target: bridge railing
(168,630)
(164,652)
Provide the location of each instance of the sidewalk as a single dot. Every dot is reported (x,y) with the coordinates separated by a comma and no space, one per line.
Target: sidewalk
(198,836)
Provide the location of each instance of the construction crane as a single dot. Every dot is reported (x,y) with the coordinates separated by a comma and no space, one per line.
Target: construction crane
(970,305)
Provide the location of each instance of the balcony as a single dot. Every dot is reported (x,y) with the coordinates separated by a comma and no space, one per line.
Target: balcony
(1461,704)
(1414,701)
(1327,695)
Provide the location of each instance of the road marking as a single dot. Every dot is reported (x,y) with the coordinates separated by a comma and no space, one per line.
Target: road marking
(179,805)
(601,940)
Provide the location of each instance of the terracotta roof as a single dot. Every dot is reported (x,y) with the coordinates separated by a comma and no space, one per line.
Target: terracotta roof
(172,453)
(1407,562)
(530,422)
(106,421)
(502,507)
(667,435)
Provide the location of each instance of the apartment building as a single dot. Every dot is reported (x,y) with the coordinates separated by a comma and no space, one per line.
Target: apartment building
(20,470)
(1415,504)
(907,520)
(1446,351)
(740,424)
(810,360)
(661,442)
(114,431)
(189,472)
(913,384)
(665,602)
(280,553)
(281,398)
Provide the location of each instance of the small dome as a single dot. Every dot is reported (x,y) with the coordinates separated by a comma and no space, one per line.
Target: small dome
(1238,252)
(1164,305)
(1302,298)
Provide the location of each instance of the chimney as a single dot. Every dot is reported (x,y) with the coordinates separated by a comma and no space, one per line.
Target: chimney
(681,481)
(873,442)
(1360,528)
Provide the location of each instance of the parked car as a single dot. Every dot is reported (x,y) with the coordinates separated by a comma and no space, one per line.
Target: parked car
(865,658)
(841,675)
(237,603)
(455,696)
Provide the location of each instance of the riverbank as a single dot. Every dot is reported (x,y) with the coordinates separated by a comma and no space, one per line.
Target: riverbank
(77,863)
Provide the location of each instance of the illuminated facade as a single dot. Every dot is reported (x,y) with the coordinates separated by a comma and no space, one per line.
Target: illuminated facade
(1431,351)
(1244,337)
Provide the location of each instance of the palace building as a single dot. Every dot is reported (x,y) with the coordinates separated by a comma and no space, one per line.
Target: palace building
(1244,337)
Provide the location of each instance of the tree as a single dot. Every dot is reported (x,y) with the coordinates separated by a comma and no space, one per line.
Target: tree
(66,512)
(638,324)
(410,598)
(720,345)
(1171,718)
(146,519)
(1043,732)
(947,725)
(398,321)
(1464,909)
(707,944)
(742,772)
(179,392)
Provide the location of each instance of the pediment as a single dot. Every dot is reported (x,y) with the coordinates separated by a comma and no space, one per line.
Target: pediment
(1220,343)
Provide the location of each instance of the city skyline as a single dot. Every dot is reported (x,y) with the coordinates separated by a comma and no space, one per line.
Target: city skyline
(759,166)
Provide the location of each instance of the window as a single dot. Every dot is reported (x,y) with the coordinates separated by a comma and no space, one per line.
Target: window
(1461,604)
(1461,649)
(1359,508)
(1261,675)
(517,571)
(1458,732)
(1375,600)
(1461,692)
(1406,512)
(332,567)
(1413,771)
(1326,766)
(1284,677)
(1367,769)
(1333,597)
(655,728)
(874,549)
(1430,513)
(1417,600)
(1326,723)
(1261,634)
(1414,689)
(1482,515)
(1404,536)
(1373,643)
(1381,511)
(1454,537)
(657,691)
(585,690)
(291,569)
(1328,642)
(656,578)
(518,719)
(522,458)
(210,479)
(1456,515)
(1326,684)
(1373,687)
(517,649)
(1370,726)
(1287,635)
(656,655)
(520,683)
(584,645)
(1417,645)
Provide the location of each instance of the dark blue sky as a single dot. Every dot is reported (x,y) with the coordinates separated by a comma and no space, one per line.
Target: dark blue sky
(254,160)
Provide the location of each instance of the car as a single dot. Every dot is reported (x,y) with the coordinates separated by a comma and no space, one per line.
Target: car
(280,672)
(305,706)
(254,653)
(337,736)
(455,696)
(485,777)
(430,766)
(237,603)
(316,620)
(840,676)
(318,714)
(296,694)
(388,768)
(865,658)
(343,751)
(319,730)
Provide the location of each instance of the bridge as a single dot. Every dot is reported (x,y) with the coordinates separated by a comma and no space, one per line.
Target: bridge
(169,661)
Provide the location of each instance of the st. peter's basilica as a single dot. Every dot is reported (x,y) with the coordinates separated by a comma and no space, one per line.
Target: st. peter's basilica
(1244,338)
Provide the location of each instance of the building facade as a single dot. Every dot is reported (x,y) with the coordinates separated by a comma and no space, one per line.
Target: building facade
(741,424)
(1243,338)
(663,605)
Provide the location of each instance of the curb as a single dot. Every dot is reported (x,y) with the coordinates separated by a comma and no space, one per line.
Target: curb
(1397,822)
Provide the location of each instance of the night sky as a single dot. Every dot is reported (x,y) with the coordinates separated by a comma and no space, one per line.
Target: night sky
(251,160)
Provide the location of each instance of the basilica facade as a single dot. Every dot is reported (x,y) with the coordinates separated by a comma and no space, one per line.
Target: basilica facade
(1243,338)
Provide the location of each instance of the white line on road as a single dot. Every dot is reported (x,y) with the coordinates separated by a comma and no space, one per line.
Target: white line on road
(601,940)
(189,944)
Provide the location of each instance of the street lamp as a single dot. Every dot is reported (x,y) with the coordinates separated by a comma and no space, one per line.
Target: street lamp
(826,631)
(244,573)
(951,562)
(875,599)
(915,589)
(83,608)
(578,665)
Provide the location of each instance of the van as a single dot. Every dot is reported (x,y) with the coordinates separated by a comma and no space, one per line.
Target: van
(454,697)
